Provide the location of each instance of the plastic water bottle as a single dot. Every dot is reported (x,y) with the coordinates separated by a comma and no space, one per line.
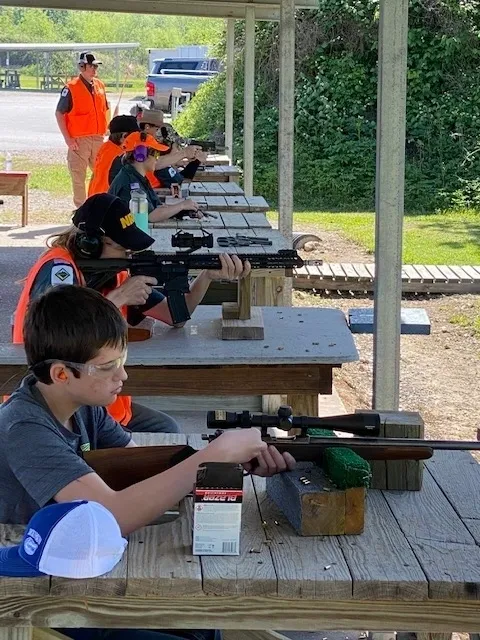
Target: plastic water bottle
(8,162)
(133,204)
(141,216)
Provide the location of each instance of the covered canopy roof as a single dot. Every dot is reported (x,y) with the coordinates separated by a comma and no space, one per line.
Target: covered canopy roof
(264,9)
(72,46)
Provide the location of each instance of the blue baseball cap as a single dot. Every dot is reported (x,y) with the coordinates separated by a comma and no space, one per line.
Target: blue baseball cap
(79,539)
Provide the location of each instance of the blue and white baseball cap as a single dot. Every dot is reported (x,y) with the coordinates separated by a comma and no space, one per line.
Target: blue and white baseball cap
(78,539)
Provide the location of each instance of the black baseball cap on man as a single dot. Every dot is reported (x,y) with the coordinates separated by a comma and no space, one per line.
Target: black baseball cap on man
(123,124)
(87,57)
(111,217)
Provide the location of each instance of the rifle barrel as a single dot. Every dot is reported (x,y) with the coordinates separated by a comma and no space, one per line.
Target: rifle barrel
(372,448)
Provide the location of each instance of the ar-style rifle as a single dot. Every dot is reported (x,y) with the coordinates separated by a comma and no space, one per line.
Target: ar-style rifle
(121,468)
(171,271)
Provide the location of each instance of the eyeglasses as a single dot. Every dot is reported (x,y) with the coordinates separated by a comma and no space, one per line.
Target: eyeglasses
(99,370)
(153,152)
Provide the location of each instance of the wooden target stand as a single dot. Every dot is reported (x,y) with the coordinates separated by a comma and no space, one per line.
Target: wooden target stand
(241,320)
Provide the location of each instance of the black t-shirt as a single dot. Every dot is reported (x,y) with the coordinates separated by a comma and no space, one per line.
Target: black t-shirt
(127,180)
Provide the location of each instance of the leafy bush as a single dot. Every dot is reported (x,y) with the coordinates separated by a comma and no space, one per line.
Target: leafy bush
(336,94)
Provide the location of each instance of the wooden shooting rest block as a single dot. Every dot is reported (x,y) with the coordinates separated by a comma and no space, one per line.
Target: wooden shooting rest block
(320,508)
(240,320)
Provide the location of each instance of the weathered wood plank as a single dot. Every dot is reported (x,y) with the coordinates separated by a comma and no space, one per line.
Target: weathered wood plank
(472,272)
(300,562)
(160,561)
(458,475)
(458,271)
(257,203)
(381,561)
(441,542)
(350,271)
(250,573)
(338,271)
(448,273)
(233,220)
(362,272)
(424,273)
(234,613)
(10,536)
(259,220)
(412,273)
(436,273)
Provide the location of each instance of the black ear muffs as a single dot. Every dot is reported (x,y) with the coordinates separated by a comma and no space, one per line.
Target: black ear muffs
(89,245)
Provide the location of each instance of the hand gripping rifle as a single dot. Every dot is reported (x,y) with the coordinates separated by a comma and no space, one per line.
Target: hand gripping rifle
(121,468)
(171,271)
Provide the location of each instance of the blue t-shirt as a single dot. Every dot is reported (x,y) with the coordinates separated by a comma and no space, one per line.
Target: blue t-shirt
(39,456)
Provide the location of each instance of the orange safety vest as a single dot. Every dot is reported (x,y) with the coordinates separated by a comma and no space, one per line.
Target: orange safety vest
(103,163)
(153,180)
(121,409)
(88,116)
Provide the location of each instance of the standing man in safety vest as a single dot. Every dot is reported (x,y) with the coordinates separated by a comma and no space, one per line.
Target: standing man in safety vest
(82,118)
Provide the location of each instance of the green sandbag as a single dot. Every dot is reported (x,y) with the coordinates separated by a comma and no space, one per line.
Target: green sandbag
(345,468)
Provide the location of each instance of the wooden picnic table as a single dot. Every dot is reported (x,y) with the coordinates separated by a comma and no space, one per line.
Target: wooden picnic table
(217,173)
(207,189)
(218,159)
(300,349)
(416,566)
(242,204)
(269,283)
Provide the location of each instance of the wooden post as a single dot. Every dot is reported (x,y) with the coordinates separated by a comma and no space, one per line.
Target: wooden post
(390,177)
(399,475)
(229,80)
(245,298)
(249,100)
(286,119)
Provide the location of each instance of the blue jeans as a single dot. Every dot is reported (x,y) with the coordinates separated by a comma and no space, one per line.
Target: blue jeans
(140,634)
(149,420)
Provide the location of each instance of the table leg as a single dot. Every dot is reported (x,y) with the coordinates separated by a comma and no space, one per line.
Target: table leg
(304,405)
(245,298)
(25,207)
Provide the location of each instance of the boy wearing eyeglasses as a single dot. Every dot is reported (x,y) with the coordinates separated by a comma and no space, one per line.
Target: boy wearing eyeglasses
(82,117)
(141,154)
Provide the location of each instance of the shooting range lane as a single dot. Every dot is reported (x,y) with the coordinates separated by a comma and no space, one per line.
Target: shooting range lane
(217,173)
(414,567)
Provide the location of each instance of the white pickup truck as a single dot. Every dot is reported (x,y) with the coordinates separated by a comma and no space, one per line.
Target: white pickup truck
(186,74)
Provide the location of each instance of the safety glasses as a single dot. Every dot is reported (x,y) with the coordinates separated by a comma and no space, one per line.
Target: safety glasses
(100,370)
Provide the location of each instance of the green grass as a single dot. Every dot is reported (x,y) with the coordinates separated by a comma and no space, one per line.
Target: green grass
(443,238)
(468,322)
(53,178)
(138,84)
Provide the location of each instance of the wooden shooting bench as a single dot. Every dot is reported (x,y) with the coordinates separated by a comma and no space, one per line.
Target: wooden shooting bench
(416,566)
(232,204)
(242,318)
(207,189)
(15,183)
(300,349)
(218,159)
(217,173)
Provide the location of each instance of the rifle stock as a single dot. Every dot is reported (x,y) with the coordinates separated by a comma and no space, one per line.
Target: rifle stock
(121,468)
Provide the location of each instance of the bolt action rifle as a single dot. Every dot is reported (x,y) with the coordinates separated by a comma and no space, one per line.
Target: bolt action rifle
(121,468)
(171,272)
